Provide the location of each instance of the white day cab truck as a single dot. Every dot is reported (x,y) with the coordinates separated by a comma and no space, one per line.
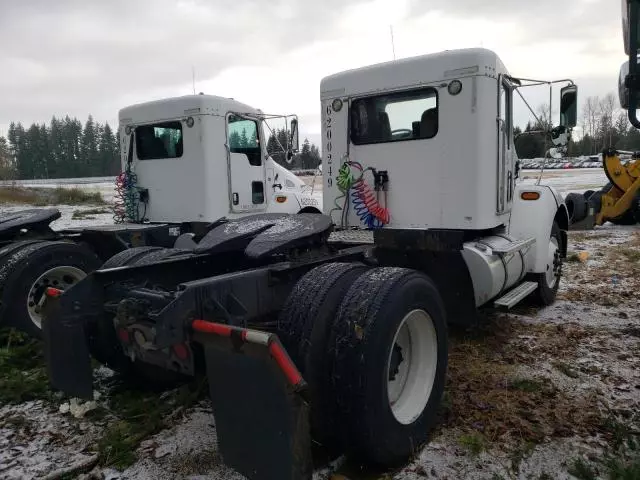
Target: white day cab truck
(332,328)
(187,163)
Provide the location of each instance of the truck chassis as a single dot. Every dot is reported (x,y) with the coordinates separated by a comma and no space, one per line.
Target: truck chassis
(303,333)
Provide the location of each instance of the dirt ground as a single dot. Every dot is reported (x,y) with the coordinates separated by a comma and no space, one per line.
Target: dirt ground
(548,393)
(535,394)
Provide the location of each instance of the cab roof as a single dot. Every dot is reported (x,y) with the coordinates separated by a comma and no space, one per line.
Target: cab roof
(413,71)
(177,107)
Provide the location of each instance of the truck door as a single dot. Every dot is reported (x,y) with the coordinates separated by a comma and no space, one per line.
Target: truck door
(246,165)
(506,167)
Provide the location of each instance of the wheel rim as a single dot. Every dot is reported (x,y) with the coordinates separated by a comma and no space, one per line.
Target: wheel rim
(554,263)
(411,367)
(61,277)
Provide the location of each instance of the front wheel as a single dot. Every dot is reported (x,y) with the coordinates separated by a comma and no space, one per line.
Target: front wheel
(390,362)
(549,280)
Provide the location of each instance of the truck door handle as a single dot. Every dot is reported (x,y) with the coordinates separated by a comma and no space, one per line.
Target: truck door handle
(236,199)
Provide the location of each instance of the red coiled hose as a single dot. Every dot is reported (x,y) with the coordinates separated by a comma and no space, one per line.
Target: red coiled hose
(364,196)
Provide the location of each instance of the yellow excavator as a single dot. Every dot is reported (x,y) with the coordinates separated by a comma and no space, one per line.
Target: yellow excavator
(619,201)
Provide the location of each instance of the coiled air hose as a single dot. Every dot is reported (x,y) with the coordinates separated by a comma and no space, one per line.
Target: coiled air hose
(126,199)
(363,198)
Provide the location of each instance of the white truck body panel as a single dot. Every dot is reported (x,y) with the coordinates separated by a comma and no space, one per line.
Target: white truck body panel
(448,181)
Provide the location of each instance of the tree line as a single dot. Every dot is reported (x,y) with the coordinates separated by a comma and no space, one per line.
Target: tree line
(66,149)
(307,158)
(602,125)
(62,149)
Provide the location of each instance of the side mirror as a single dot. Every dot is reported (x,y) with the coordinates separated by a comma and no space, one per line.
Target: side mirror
(623,91)
(569,106)
(295,141)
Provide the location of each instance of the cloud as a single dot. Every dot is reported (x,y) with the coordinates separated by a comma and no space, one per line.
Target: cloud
(78,57)
(81,57)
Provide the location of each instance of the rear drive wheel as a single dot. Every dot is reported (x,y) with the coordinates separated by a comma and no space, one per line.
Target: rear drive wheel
(549,281)
(30,269)
(305,324)
(390,361)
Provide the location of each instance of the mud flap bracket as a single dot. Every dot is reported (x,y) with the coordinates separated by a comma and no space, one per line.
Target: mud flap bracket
(259,403)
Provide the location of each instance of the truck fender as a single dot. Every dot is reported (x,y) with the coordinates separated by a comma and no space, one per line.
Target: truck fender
(534,218)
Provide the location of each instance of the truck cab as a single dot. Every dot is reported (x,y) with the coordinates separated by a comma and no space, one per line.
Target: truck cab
(199,158)
(426,144)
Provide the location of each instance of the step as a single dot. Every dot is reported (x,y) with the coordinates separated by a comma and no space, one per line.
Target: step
(514,246)
(513,297)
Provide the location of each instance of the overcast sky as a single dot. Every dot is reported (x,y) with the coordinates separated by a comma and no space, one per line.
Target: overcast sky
(82,56)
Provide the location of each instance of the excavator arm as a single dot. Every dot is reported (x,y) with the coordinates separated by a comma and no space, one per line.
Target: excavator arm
(625,181)
(616,202)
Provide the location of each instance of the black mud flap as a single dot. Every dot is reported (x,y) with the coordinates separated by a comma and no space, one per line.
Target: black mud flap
(66,351)
(259,403)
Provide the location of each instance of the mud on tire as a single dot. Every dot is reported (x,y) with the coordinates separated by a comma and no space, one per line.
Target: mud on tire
(305,324)
(28,268)
(384,423)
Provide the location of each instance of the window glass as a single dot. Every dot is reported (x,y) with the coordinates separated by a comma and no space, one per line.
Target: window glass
(257,192)
(505,111)
(243,138)
(162,140)
(395,117)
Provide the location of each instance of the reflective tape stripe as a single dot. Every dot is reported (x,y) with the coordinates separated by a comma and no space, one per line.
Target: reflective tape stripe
(210,327)
(254,336)
(278,353)
(284,362)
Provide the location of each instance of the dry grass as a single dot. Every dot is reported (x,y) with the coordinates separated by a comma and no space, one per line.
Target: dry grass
(49,196)
(612,281)
(487,396)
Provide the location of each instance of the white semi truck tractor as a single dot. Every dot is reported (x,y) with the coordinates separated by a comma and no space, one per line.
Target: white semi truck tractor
(187,162)
(332,328)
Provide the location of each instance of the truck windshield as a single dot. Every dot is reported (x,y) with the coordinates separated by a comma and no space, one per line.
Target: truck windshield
(243,138)
(409,115)
(162,140)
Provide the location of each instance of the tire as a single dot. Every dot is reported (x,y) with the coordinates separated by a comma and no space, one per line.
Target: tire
(576,207)
(104,344)
(547,290)
(127,256)
(587,194)
(595,201)
(379,304)
(29,268)
(6,255)
(158,255)
(305,324)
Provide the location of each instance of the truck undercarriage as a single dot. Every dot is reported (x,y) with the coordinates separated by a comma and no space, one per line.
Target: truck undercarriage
(273,309)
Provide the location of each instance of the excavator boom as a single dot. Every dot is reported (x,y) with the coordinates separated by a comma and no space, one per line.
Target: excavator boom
(617,202)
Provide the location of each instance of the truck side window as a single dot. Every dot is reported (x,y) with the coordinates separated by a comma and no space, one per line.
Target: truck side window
(505,112)
(158,141)
(243,138)
(408,115)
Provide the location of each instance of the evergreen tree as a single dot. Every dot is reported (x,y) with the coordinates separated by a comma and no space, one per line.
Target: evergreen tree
(244,141)
(234,140)
(7,170)
(88,147)
(305,154)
